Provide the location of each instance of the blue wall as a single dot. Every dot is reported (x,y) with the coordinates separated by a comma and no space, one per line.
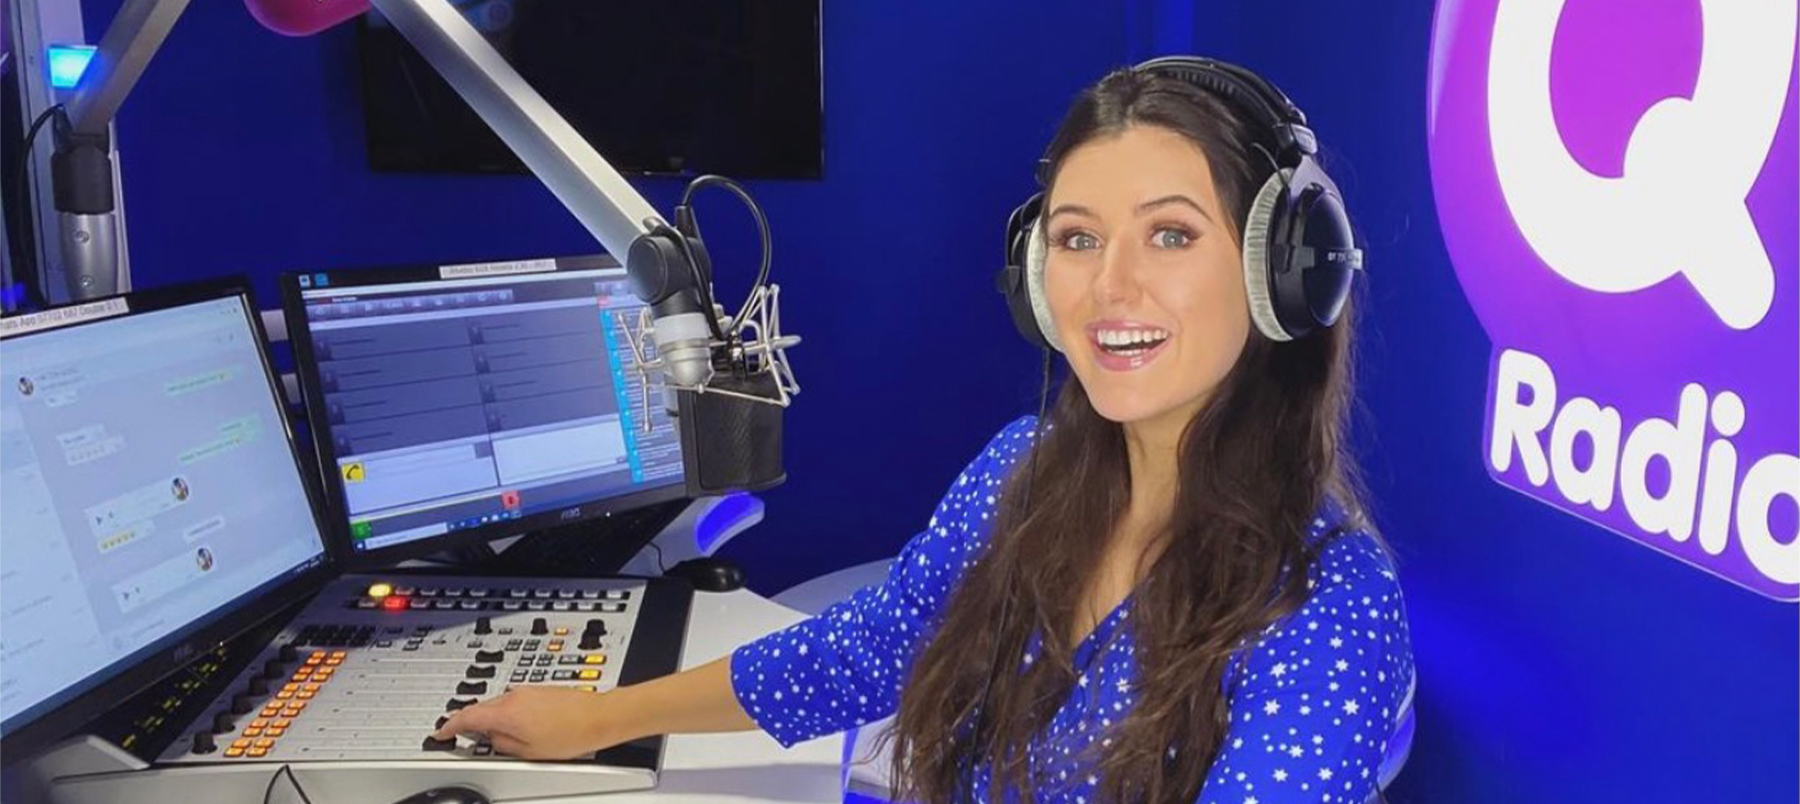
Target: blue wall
(1559,663)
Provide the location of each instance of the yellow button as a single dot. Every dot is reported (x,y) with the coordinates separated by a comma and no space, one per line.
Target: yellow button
(264,743)
(253,731)
(258,752)
(380,590)
(587,688)
(594,658)
(234,752)
(589,675)
(240,743)
(562,631)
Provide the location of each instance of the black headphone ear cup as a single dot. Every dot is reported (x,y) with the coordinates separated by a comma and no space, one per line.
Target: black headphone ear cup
(1037,248)
(1259,274)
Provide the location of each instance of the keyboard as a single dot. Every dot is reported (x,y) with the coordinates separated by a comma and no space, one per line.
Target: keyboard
(588,549)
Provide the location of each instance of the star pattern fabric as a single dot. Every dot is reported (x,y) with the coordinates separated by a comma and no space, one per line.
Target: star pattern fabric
(1313,703)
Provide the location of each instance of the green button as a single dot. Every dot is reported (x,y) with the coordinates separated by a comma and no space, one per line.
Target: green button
(360,530)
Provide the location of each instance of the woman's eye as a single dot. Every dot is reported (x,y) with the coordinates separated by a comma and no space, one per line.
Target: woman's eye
(1172,238)
(1078,241)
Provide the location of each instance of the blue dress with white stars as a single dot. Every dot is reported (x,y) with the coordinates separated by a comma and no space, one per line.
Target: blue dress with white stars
(1312,707)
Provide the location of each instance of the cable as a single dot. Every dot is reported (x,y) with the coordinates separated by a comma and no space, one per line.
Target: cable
(660,569)
(762,230)
(289,770)
(29,277)
(1037,426)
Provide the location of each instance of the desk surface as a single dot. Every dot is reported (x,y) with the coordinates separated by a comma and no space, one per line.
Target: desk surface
(746,766)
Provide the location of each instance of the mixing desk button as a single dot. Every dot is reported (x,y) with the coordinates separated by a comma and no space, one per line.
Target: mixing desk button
(587,605)
(483,750)
(471,688)
(274,731)
(385,643)
(562,630)
(517,592)
(234,752)
(434,744)
(555,645)
(562,605)
(380,590)
(537,605)
(241,743)
(589,641)
(569,659)
(511,605)
(271,710)
(457,703)
(442,605)
(540,593)
(428,591)
(587,688)
(513,644)
(489,656)
(204,743)
(590,594)
(405,590)
(588,675)
(480,671)
(469,605)
(618,594)
(395,603)
(540,626)
(252,731)
(507,630)
(418,603)
(563,675)
(478,593)
(613,608)
(257,753)
(259,723)
(538,675)
(544,660)
(484,625)
(367,603)
(442,719)
(453,591)
(594,658)
(566,594)
(517,676)
(263,743)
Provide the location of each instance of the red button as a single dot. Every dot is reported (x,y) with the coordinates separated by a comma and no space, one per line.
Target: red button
(393,602)
(509,499)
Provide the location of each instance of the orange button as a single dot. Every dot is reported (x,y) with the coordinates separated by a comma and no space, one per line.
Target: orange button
(296,706)
(240,743)
(258,723)
(280,724)
(306,696)
(338,654)
(555,645)
(562,631)
(234,752)
(284,694)
(333,662)
(264,743)
(252,731)
(271,711)
(317,654)
(275,731)
(314,687)
(315,658)
(259,752)
(300,676)
(290,686)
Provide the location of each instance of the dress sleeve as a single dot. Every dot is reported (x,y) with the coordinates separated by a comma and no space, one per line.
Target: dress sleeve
(845,666)
(1317,698)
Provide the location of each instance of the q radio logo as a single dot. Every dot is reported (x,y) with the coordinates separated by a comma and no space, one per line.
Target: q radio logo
(1616,184)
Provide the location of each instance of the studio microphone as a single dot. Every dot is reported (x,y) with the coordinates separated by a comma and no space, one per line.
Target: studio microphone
(726,379)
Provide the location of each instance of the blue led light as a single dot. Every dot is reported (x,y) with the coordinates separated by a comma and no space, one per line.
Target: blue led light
(67,63)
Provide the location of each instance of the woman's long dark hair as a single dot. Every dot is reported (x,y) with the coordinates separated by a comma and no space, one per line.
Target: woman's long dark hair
(1256,464)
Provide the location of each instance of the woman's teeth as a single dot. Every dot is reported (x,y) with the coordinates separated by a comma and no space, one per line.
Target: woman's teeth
(1130,341)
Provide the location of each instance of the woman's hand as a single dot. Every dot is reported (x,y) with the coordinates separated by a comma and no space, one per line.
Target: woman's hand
(546,722)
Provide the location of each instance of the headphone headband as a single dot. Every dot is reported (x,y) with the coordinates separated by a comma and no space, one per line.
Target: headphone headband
(1284,123)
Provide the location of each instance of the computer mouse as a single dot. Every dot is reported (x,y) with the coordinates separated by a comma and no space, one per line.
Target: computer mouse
(454,794)
(709,574)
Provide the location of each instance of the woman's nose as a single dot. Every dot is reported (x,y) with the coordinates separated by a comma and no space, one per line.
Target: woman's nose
(1117,281)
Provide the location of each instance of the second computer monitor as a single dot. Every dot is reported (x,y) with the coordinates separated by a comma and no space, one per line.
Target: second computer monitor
(459,403)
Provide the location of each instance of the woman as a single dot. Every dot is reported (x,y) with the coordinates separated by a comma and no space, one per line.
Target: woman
(1174,565)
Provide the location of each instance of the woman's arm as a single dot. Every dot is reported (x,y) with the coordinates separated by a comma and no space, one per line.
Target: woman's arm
(1315,702)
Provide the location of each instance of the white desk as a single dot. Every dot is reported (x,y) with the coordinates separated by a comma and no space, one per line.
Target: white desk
(742,767)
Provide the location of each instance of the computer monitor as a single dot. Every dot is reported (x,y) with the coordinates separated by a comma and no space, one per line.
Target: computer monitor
(151,499)
(455,404)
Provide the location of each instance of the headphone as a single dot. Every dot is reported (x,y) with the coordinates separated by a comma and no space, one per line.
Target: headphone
(1299,255)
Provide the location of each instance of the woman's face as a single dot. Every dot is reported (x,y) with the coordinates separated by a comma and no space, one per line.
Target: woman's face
(1143,275)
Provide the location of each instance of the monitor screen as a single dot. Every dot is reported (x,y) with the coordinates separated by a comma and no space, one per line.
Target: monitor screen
(673,86)
(478,401)
(148,486)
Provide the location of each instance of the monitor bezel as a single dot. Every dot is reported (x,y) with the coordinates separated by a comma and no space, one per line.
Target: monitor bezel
(182,646)
(336,506)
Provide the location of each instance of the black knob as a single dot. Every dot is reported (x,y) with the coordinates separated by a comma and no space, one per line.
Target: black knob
(435,744)
(471,688)
(223,723)
(589,642)
(288,653)
(258,686)
(273,669)
(458,703)
(489,656)
(540,626)
(480,671)
(442,719)
(484,625)
(203,743)
(242,704)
